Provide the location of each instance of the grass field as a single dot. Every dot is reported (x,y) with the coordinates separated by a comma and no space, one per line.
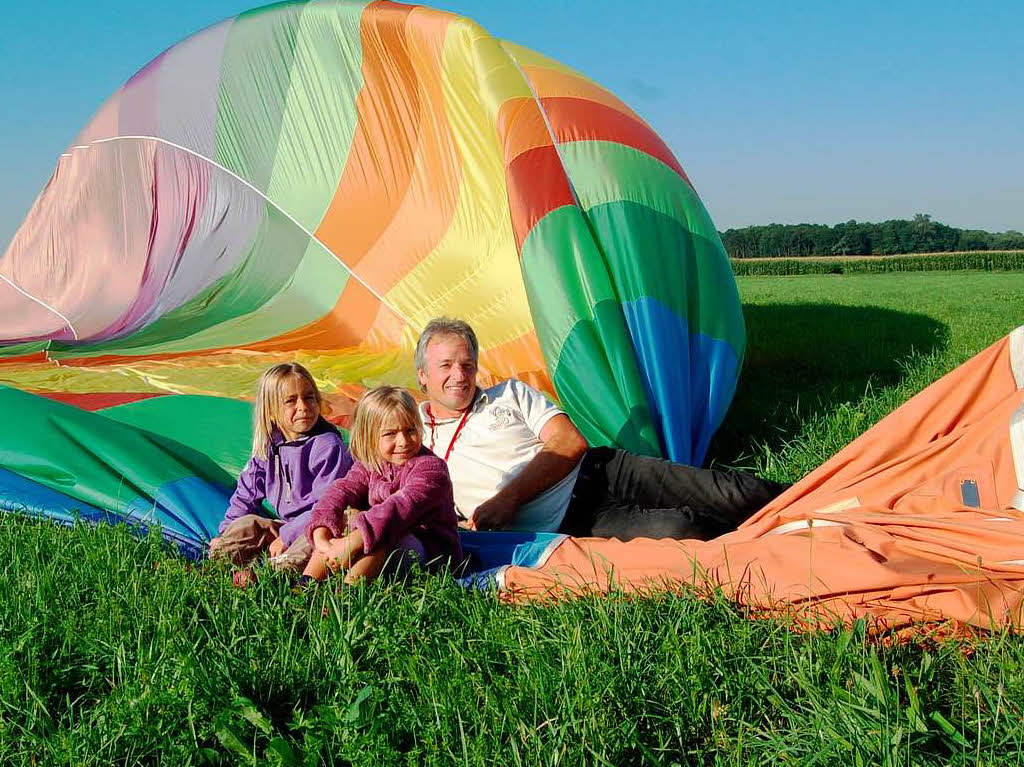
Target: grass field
(113,652)
(829,355)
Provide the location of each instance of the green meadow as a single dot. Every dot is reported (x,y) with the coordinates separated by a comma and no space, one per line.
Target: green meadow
(115,652)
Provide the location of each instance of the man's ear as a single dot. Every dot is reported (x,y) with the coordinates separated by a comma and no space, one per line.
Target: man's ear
(422,379)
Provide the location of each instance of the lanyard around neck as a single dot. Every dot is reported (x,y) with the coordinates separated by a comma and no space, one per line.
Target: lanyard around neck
(455,436)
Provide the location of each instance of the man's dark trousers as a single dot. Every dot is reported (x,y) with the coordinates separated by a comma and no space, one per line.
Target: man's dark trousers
(623,495)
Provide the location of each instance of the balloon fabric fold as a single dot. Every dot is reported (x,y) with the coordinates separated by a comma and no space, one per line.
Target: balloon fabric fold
(315,181)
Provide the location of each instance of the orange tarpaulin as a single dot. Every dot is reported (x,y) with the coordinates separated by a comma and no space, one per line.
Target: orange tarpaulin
(919,519)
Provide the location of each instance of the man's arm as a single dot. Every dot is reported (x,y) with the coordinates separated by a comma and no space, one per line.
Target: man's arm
(563,448)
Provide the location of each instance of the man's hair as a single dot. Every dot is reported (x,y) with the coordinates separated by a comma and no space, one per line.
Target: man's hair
(444,326)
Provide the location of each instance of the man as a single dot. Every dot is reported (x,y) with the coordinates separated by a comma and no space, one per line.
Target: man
(518,463)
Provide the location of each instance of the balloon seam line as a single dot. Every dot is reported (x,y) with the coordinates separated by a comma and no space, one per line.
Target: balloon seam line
(42,303)
(551,132)
(277,207)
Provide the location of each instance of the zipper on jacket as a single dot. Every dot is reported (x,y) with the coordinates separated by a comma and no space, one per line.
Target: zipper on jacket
(281,475)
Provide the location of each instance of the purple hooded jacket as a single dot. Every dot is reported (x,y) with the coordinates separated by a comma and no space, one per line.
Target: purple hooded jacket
(415,497)
(292,478)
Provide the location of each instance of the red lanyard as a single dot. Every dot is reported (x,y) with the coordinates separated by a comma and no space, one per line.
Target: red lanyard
(455,436)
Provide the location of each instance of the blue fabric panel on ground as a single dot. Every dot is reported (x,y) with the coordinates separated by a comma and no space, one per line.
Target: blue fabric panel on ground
(484,580)
(188,509)
(24,496)
(19,495)
(689,378)
(489,550)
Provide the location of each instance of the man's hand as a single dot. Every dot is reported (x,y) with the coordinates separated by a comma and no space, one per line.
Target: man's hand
(277,547)
(496,513)
(216,543)
(563,448)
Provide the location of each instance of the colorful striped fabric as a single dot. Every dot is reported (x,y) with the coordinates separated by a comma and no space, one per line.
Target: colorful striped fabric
(316,180)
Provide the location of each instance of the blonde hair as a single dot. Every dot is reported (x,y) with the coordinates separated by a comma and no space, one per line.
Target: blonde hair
(269,402)
(374,406)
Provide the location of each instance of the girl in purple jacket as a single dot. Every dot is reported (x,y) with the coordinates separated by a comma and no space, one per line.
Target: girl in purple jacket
(400,493)
(296,455)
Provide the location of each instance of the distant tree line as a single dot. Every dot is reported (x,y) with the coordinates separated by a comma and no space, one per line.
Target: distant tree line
(921,235)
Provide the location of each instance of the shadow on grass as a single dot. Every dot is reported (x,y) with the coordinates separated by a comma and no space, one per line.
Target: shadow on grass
(809,358)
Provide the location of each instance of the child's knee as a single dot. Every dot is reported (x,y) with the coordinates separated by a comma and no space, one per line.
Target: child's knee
(246,538)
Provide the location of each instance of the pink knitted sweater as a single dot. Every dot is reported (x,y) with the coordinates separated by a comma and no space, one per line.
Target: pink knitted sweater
(415,497)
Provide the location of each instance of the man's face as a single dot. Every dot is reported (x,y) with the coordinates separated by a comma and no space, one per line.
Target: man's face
(449,376)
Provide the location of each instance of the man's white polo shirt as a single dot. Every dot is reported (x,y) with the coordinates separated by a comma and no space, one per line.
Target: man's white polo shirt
(499,437)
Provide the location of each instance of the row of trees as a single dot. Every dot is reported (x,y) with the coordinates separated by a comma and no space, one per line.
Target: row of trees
(921,235)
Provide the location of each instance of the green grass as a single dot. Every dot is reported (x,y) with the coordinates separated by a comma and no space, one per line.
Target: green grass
(114,652)
(830,355)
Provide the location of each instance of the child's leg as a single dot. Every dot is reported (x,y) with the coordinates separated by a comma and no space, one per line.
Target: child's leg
(408,551)
(316,568)
(368,567)
(394,563)
(320,564)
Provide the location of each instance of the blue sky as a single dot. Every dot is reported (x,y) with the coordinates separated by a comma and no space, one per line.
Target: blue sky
(784,111)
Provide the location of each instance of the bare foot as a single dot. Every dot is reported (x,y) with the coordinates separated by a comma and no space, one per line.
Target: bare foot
(243,578)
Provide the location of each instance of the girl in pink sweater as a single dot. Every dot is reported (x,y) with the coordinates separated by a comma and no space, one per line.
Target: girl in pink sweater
(396,500)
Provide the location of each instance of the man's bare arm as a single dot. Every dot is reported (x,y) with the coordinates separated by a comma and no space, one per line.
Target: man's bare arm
(563,448)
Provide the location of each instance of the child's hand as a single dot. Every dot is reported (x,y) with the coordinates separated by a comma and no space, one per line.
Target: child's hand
(321,539)
(341,553)
(335,555)
(277,547)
